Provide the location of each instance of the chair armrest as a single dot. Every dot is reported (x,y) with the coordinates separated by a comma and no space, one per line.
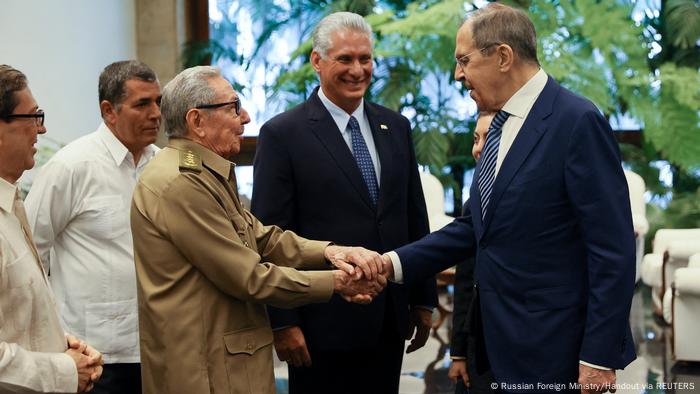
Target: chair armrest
(652,264)
(683,249)
(687,281)
(640,223)
(667,309)
(694,261)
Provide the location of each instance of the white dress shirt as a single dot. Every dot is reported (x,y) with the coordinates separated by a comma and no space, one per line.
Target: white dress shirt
(79,209)
(341,119)
(518,106)
(32,342)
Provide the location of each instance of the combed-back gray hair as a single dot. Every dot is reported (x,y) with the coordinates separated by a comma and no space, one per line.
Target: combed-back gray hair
(11,81)
(112,84)
(334,22)
(188,89)
(499,24)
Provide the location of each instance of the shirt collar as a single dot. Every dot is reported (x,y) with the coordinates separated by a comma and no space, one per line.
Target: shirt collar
(117,150)
(338,114)
(521,102)
(7,195)
(210,159)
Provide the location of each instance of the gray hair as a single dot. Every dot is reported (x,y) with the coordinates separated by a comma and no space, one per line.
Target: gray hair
(112,84)
(499,24)
(337,21)
(11,81)
(188,89)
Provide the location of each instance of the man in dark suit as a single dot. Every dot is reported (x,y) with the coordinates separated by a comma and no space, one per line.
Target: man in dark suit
(549,219)
(337,167)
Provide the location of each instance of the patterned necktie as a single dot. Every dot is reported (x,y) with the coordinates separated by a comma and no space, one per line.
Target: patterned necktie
(487,162)
(364,160)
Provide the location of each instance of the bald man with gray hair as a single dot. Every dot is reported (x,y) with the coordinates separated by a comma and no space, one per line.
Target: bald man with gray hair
(206,267)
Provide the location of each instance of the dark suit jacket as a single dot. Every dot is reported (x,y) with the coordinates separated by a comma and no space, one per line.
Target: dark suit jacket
(306,180)
(555,261)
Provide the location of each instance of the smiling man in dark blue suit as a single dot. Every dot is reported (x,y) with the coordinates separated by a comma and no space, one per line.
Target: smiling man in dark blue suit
(340,168)
(549,220)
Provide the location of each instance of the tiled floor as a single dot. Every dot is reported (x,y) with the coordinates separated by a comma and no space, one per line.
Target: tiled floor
(653,372)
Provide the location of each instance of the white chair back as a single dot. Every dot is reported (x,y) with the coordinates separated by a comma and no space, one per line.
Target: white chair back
(434,195)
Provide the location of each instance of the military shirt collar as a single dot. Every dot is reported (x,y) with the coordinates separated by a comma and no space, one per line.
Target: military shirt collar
(210,159)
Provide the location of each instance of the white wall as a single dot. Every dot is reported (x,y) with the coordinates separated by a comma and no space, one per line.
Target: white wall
(62,46)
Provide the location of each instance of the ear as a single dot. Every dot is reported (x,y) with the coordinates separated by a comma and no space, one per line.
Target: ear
(315,61)
(506,57)
(194,120)
(109,112)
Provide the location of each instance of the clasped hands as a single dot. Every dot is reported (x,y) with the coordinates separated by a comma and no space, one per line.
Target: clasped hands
(360,275)
(88,362)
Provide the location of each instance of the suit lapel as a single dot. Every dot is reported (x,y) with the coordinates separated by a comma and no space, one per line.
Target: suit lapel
(383,142)
(530,133)
(326,130)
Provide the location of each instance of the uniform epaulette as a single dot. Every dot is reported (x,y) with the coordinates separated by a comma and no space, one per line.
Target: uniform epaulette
(190,161)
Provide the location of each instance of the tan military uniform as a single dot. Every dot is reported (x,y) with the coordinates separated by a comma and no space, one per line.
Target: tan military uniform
(203,277)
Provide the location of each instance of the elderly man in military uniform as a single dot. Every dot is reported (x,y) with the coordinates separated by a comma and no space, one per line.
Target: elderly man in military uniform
(205,265)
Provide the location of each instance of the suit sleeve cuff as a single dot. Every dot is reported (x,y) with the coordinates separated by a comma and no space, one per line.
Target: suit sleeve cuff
(396,263)
(594,366)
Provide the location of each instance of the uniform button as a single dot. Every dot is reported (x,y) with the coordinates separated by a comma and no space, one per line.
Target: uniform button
(246,244)
(249,346)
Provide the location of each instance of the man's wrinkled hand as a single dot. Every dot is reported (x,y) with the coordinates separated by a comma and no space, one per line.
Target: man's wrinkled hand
(360,291)
(420,321)
(89,371)
(94,356)
(594,380)
(458,370)
(355,261)
(290,345)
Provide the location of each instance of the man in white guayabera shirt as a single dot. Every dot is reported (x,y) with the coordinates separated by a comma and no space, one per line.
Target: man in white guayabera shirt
(79,210)
(35,354)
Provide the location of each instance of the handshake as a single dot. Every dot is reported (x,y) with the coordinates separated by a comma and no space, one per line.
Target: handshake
(361,275)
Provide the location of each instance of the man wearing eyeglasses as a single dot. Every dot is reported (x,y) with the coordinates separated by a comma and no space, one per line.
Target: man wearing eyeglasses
(78,207)
(549,220)
(35,354)
(206,267)
(341,168)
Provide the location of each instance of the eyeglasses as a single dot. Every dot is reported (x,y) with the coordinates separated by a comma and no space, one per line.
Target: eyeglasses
(463,60)
(236,103)
(38,117)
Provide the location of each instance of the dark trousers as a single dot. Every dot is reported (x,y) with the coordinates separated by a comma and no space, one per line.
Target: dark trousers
(374,370)
(119,379)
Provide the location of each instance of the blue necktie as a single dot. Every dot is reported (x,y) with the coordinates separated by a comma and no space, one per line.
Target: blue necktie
(487,162)
(364,160)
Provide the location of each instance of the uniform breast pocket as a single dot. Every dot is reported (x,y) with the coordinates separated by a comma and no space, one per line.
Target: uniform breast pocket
(105,217)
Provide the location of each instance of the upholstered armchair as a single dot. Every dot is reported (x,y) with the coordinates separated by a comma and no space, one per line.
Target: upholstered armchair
(671,251)
(434,195)
(685,311)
